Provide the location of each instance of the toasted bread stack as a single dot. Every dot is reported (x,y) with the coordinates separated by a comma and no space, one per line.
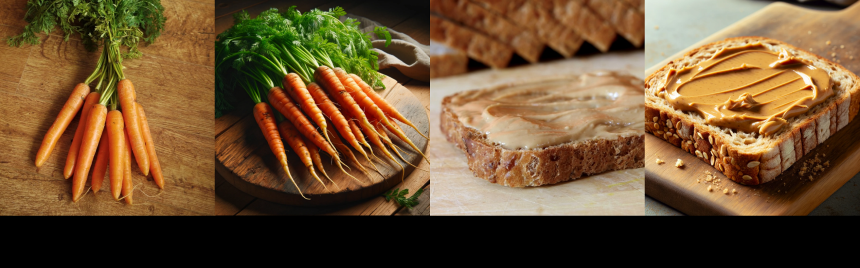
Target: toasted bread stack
(491,31)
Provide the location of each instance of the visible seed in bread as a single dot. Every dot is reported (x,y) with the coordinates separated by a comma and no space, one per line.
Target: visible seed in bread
(747,177)
(733,161)
(676,136)
(669,123)
(711,139)
(678,125)
(753,164)
(712,160)
(728,159)
(698,154)
(659,132)
(723,150)
(656,126)
(828,42)
(700,135)
(654,119)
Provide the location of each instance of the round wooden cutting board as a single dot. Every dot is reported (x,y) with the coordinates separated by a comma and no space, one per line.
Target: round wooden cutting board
(245,160)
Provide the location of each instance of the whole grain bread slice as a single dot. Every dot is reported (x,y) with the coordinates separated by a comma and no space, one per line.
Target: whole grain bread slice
(750,158)
(539,166)
(479,47)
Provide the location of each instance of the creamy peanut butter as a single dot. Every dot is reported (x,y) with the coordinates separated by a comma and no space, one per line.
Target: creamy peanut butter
(536,115)
(748,88)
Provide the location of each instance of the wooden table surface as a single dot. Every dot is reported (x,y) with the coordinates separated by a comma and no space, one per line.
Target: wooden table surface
(174,83)
(404,17)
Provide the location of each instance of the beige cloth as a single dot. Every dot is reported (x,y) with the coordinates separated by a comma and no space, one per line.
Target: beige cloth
(404,53)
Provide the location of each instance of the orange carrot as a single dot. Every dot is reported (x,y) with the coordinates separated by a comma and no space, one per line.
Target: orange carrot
(92,134)
(383,104)
(374,138)
(366,104)
(297,89)
(155,167)
(337,118)
(281,102)
(72,106)
(316,158)
(330,82)
(348,153)
(92,99)
(100,166)
(294,139)
(265,118)
(127,98)
(127,186)
(116,139)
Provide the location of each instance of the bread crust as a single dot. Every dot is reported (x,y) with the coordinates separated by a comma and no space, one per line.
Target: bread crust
(535,167)
(749,158)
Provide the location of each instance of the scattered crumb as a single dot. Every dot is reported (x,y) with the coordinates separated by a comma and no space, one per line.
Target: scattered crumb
(841,46)
(808,32)
(813,167)
(851,57)
(660,162)
(828,42)
(657,27)
(662,54)
(679,163)
(710,189)
(838,61)
(726,191)
(735,191)
(833,54)
(810,49)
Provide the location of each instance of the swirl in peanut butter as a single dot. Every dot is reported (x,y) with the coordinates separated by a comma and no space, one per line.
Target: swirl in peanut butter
(546,113)
(748,88)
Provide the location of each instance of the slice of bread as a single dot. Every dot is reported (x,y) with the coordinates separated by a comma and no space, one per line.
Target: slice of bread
(750,158)
(446,61)
(479,47)
(540,166)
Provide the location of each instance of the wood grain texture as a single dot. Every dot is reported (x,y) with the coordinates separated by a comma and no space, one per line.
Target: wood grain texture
(788,194)
(176,90)
(455,191)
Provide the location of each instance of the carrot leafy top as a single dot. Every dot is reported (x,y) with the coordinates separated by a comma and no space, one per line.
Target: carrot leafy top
(274,44)
(111,23)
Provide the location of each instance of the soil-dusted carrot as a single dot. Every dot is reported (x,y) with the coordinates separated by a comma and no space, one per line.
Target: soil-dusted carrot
(154,165)
(294,139)
(116,139)
(383,104)
(70,109)
(294,85)
(101,163)
(92,134)
(127,185)
(338,143)
(374,138)
(127,99)
(370,108)
(92,99)
(328,79)
(337,119)
(265,117)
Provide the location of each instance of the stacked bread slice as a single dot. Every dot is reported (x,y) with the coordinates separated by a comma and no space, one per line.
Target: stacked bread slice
(751,158)
(491,31)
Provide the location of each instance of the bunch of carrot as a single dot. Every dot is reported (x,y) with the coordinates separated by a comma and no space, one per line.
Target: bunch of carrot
(316,92)
(112,124)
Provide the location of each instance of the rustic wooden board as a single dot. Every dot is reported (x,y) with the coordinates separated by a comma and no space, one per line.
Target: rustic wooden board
(787,194)
(174,83)
(246,161)
(455,191)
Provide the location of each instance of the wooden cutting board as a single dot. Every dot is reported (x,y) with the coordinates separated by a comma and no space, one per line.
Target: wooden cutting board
(455,191)
(788,194)
(245,160)
(173,80)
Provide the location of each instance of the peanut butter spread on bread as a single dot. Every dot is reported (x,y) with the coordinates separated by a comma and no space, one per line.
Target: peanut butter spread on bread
(602,105)
(748,88)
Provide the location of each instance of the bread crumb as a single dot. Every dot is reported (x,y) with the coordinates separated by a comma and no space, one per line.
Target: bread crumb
(810,49)
(657,27)
(710,189)
(726,191)
(851,57)
(679,163)
(660,162)
(808,32)
(734,191)
(828,42)
(841,46)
